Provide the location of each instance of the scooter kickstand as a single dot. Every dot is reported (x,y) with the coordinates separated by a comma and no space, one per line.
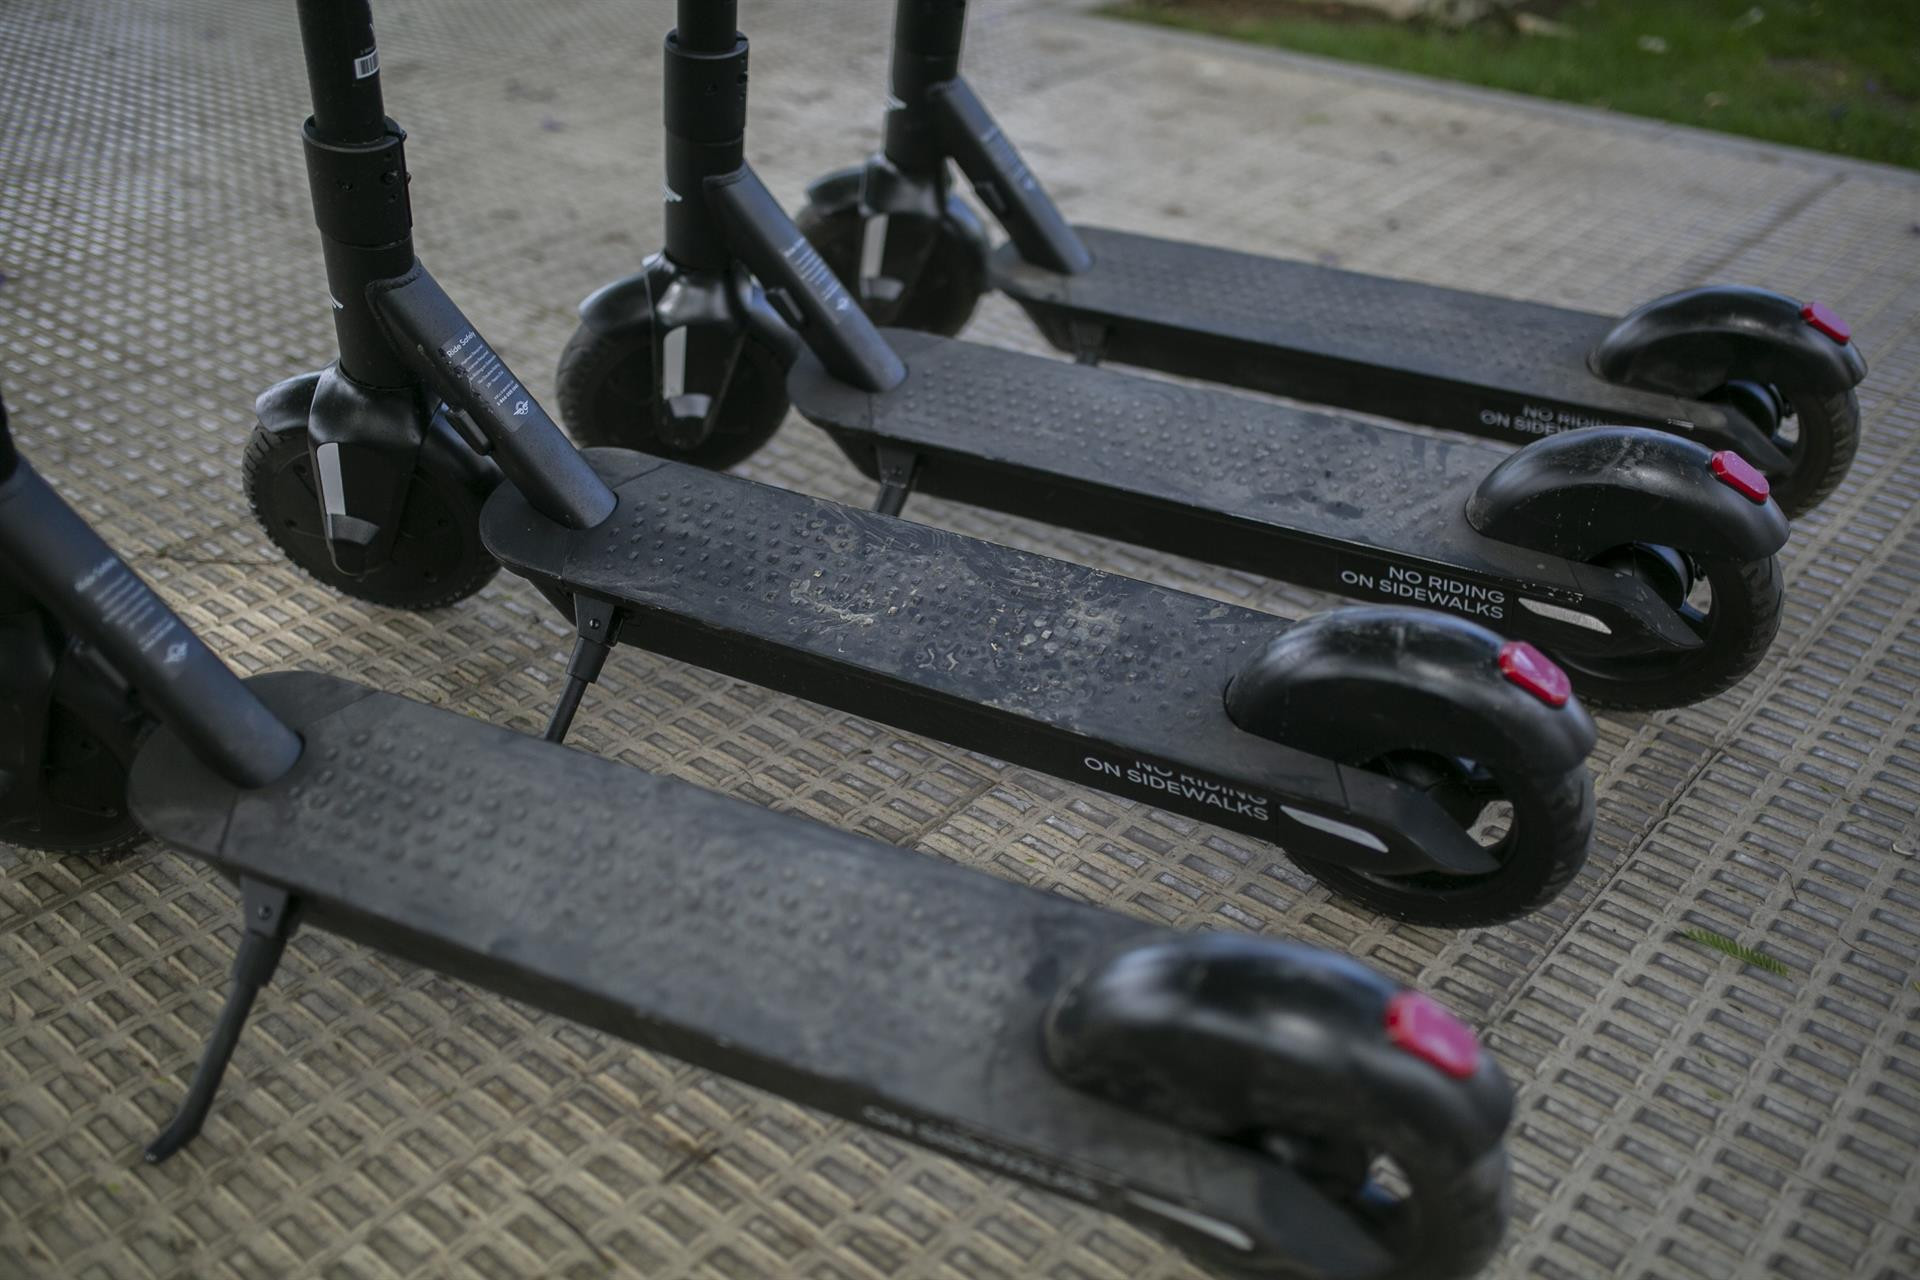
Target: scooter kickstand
(1089,341)
(268,924)
(897,468)
(599,629)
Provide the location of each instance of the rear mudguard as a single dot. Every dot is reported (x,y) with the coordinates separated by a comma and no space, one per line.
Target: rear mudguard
(1237,1037)
(1359,683)
(1694,342)
(1581,493)
(661,291)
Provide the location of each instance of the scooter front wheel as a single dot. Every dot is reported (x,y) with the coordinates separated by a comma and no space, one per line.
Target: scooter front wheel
(948,275)
(1537,829)
(437,557)
(78,806)
(1733,608)
(609,397)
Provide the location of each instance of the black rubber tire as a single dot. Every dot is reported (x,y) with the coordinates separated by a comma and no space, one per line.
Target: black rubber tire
(606,389)
(940,299)
(90,750)
(1829,435)
(1452,1219)
(438,558)
(1747,603)
(1544,849)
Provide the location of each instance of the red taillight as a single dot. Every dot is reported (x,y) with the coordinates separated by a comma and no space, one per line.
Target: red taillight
(1821,317)
(1739,475)
(1535,672)
(1423,1027)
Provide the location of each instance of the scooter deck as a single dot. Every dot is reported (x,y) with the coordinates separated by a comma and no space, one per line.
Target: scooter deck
(1324,500)
(1076,672)
(897,990)
(1417,352)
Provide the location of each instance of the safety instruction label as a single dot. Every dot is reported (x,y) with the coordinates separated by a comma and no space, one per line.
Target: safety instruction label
(1538,419)
(1183,786)
(127,605)
(1430,590)
(982,1151)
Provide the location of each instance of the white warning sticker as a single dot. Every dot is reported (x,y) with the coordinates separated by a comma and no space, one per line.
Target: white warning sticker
(1185,786)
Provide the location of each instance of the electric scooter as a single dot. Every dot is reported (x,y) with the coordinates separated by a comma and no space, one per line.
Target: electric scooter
(1641,562)
(1235,1094)
(1765,376)
(1418,762)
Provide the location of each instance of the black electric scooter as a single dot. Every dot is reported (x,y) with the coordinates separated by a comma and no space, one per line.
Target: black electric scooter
(1769,377)
(1232,1093)
(1415,761)
(1640,561)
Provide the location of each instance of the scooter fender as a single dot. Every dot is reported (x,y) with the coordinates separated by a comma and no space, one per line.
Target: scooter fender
(1231,1035)
(623,303)
(662,294)
(1358,683)
(1694,342)
(879,187)
(285,405)
(840,189)
(1581,493)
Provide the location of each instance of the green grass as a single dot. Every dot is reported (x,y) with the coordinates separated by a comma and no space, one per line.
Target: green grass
(1739,951)
(1835,75)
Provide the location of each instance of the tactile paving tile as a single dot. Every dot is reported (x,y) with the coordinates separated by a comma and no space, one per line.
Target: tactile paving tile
(1680,1115)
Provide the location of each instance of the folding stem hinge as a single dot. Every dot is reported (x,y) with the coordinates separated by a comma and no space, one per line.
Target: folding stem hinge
(598,630)
(269,922)
(1089,340)
(897,468)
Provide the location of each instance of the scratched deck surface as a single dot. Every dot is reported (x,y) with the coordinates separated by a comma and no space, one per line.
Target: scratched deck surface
(1681,1115)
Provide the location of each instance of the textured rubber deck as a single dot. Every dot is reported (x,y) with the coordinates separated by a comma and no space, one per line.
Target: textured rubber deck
(1681,1115)
(868,979)
(1037,660)
(1508,346)
(1159,442)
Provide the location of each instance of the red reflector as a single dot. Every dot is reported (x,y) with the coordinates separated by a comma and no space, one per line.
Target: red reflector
(1739,475)
(1424,1028)
(1534,671)
(1821,317)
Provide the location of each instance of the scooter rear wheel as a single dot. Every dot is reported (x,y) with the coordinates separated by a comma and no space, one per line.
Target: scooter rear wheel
(609,398)
(437,558)
(1736,617)
(941,296)
(1438,1220)
(1537,829)
(1818,433)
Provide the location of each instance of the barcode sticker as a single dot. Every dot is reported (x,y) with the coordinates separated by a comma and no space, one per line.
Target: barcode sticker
(366,65)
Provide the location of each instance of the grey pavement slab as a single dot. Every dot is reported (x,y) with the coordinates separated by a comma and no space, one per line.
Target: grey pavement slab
(1680,1115)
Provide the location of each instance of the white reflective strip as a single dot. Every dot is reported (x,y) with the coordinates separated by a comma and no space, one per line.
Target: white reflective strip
(873,247)
(1365,839)
(333,486)
(1225,1232)
(673,377)
(1559,613)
